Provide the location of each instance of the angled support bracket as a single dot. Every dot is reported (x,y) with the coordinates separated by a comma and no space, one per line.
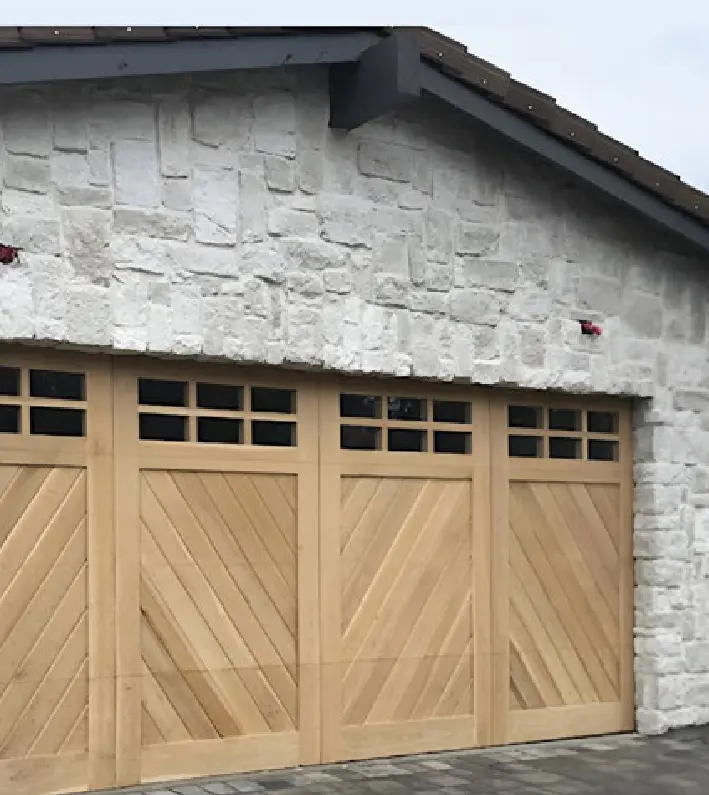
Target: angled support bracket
(386,76)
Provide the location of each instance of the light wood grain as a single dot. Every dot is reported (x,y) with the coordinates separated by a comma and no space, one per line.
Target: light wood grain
(170,610)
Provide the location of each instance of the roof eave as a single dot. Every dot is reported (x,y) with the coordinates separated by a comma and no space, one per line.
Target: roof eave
(521,132)
(371,75)
(134,59)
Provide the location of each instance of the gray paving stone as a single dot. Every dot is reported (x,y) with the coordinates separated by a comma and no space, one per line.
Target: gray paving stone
(611,766)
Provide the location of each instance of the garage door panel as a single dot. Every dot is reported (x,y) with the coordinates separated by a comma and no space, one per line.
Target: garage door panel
(43,610)
(564,597)
(207,610)
(406,606)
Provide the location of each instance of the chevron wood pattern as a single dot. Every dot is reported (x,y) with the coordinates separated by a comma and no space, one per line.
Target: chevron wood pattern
(564,594)
(406,599)
(43,612)
(218,603)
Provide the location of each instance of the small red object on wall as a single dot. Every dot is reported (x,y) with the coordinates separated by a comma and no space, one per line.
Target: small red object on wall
(8,254)
(590,328)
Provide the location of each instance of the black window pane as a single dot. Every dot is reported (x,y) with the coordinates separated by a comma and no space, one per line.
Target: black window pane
(360,406)
(157,392)
(602,450)
(525,446)
(400,408)
(219,430)
(272,401)
(602,422)
(451,411)
(402,440)
(57,385)
(564,420)
(9,419)
(220,396)
(9,381)
(56,422)
(162,428)
(451,442)
(560,447)
(524,417)
(273,434)
(360,437)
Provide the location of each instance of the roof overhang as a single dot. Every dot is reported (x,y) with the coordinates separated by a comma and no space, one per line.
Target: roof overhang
(370,76)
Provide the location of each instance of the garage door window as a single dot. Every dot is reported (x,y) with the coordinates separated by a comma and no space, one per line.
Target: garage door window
(402,424)
(216,413)
(32,402)
(562,433)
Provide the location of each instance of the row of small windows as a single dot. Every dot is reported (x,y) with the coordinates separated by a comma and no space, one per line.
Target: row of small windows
(223,397)
(562,419)
(404,440)
(215,430)
(403,408)
(166,393)
(44,421)
(52,384)
(562,447)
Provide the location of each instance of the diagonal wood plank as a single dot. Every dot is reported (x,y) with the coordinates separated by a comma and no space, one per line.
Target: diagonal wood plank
(212,546)
(371,540)
(176,688)
(7,476)
(18,497)
(234,697)
(17,692)
(411,541)
(544,616)
(583,588)
(408,645)
(212,595)
(428,635)
(271,561)
(219,656)
(39,700)
(537,536)
(62,721)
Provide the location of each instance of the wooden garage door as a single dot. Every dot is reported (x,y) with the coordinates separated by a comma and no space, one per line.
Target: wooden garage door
(405,604)
(56,574)
(562,568)
(206,569)
(217,572)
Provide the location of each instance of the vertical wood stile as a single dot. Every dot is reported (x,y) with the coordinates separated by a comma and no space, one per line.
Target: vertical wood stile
(499,569)
(127,625)
(101,575)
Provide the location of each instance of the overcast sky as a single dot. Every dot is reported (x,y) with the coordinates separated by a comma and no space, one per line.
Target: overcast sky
(638,69)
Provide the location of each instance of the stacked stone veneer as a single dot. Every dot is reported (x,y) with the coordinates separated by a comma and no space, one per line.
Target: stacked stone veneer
(217,216)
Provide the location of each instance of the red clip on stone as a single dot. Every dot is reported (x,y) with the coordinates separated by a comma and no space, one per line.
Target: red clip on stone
(8,254)
(590,328)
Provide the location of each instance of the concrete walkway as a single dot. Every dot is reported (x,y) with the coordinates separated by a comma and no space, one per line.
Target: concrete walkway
(627,765)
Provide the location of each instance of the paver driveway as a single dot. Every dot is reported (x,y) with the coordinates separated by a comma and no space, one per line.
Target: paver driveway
(626,765)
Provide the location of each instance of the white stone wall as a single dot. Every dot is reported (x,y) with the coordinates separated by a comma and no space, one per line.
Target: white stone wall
(219,217)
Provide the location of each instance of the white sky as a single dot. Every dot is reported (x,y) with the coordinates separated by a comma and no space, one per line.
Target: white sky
(639,70)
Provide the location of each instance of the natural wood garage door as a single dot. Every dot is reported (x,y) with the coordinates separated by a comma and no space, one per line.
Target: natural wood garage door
(562,567)
(206,569)
(56,574)
(405,613)
(217,577)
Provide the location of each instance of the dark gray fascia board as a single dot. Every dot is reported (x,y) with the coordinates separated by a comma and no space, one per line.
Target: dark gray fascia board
(525,134)
(385,77)
(133,59)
